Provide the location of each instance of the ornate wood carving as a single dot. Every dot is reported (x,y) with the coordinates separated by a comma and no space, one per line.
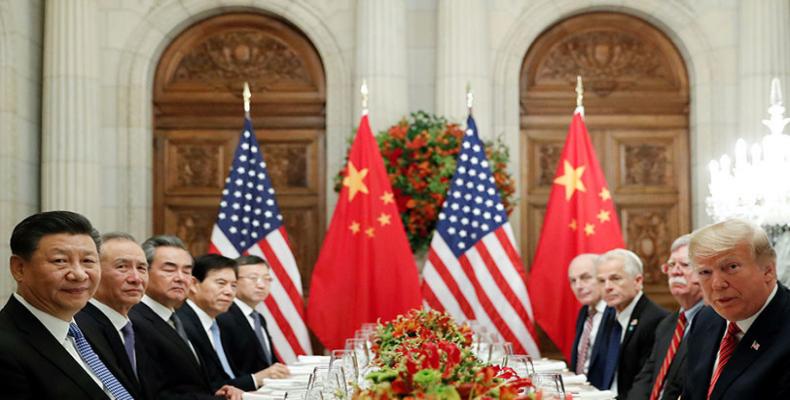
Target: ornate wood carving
(650,234)
(646,164)
(549,154)
(197,165)
(193,224)
(288,165)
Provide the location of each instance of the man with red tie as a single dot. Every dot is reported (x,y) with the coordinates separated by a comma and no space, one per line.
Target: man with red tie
(663,375)
(738,347)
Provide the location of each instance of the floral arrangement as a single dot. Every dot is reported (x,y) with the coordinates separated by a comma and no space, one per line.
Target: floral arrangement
(419,154)
(425,355)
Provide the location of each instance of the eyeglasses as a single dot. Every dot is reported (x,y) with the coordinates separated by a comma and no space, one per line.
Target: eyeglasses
(669,265)
(257,278)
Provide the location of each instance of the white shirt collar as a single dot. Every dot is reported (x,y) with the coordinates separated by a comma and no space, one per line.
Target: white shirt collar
(245,308)
(117,319)
(600,307)
(625,316)
(747,323)
(205,319)
(158,308)
(56,326)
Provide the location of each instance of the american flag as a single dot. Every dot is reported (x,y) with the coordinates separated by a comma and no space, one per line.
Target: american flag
(474,271)
(249,222)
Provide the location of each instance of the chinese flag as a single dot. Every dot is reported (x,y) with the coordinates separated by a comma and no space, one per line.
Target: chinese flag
(580,218)
(365,270)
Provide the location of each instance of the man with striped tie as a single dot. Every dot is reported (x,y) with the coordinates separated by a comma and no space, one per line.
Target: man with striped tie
(738,347)
(663,375)
(249,345)
(43,353)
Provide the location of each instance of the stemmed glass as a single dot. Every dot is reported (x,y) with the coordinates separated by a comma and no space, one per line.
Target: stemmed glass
(347,360)
(521,363)
(550,384)
(498,351)
(360,348)
(325,383)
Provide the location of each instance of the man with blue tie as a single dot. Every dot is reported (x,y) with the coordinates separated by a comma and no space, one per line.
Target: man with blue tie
(43,353)
(105,319)
(211,293)
(738,346)
(589,340)
(247,341)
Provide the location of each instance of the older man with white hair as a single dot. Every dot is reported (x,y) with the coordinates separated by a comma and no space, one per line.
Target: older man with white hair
(632,333)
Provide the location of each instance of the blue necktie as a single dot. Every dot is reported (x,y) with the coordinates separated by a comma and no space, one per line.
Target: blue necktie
(220,350)
(613,351)
(128,344)
(96,365)
(259,334)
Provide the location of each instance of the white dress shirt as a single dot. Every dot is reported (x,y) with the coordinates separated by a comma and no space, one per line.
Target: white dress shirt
(600,307)
(159,309)
(60,331)
(117,319)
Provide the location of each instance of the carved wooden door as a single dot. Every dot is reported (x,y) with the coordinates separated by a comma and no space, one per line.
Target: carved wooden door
(636,100)
(198,117)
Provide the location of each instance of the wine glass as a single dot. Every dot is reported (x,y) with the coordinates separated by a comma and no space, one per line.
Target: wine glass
(521,363)
(498,351)
(550,384)
(360,348)
(347,360)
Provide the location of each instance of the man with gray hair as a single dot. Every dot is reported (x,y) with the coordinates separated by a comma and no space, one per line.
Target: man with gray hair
(738,345)
(663,375)
(588,341)
(632,333)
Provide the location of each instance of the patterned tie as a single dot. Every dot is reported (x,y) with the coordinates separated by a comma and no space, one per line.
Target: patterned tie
(256,317)
(673,348)
(585,342)
(96,365)
(128,344)
(725,352)
(223,359)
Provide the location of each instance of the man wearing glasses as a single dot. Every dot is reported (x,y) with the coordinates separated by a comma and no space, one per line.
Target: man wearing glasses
(251,349)
(663,375)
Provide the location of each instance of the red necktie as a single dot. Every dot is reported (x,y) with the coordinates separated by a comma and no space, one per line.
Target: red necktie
(725,352)
(585,341)
(673,348)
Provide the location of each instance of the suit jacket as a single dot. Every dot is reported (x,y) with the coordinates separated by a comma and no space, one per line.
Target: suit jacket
(240,343)
(101,333)
(34,365)
(673,385)
(174,373)
(600,340)
(199,338)
(759,368)
(633,351)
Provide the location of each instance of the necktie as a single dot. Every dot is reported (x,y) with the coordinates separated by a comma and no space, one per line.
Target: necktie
(584,340)
(256,317)
(673,348)
(223,359)
(96,365)
(179,327)
(128,344)
(613,352)
(726,349)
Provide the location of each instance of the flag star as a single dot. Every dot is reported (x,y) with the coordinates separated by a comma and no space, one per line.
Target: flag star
(605,195)
(354,180)
(571,179)
(451,230)
(238,182)
(221,215)
(234,218)
(387,198)
(246,134)
(603,216)
(354,227)
(370,232)
(572,225)
(384,219)
(589,229)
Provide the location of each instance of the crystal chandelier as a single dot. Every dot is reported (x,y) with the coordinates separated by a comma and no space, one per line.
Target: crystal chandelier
(756,184)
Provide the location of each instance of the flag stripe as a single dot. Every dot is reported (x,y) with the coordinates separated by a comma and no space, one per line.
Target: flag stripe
(515,276)
(221,243)
(452,285)
(283,278)
(282,322)
(281,347)
(279,243)
(443,302)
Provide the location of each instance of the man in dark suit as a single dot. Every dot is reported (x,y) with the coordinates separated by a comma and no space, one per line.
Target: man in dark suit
(245,337)
(588,342)
(124,276)
(620,274)
(738,347)
(43,353)
(211,293)
(664,373)
(175,369)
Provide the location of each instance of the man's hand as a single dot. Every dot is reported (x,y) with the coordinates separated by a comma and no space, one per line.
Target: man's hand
(230,392)
(275,371)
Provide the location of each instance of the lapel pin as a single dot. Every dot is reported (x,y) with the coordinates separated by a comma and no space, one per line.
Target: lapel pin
(634,322)
(755,345)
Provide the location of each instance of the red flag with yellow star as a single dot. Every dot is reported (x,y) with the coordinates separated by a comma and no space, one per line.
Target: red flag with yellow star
(580,218)
(365,270)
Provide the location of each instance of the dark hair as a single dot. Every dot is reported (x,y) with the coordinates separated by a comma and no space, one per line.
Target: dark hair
(210,262)
(251,260)
(150,245)
(28,233)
